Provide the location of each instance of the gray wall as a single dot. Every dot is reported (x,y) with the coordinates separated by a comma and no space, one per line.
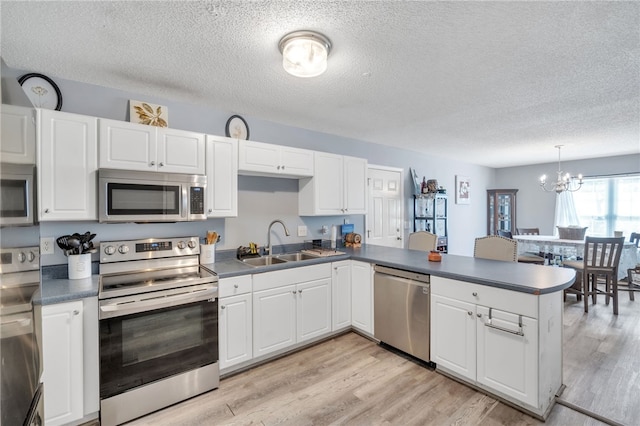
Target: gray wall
(535,208)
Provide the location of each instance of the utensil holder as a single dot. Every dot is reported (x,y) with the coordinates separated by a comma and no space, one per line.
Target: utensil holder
(207,253)
(79,266)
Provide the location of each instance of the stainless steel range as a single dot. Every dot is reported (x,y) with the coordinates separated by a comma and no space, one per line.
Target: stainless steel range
(158,326)
(20,338)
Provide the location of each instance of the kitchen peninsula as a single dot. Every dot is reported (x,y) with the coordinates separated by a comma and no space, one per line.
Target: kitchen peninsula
(496,326)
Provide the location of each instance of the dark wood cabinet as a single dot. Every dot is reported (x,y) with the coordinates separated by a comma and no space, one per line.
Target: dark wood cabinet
(501,210)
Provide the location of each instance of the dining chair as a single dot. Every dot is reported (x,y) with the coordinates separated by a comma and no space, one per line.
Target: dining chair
(601,260)
(635,238)
(495,247)
(528,231)
(422,240)
(524,257)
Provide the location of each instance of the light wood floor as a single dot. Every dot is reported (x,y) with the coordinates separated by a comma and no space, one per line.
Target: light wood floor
(351,380)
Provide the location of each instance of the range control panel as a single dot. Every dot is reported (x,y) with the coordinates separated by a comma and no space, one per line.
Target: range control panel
(19,259)
(150,248)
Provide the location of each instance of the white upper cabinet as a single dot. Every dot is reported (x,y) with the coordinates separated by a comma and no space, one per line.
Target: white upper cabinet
(339,186)
(67,166)
(263,159)
(132,146)
(18,138)
(222,176)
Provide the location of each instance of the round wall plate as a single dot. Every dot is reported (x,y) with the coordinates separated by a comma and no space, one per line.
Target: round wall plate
(41,91)
(237,128)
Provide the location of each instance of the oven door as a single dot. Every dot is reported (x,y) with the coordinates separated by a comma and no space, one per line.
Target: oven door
(153,344)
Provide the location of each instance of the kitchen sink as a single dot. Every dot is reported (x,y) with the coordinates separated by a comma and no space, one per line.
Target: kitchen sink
(296,257)
(263,261)
(278,258)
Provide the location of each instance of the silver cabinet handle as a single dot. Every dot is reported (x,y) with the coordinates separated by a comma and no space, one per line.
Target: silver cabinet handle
(469,313)
(282,167)
(479,315)
(153,163)
(475,294)
(210,210)
(76,312)
(278,168)
(161,164)
(235,286)
(46,210)
(222,307)
(294,292)
(300,291)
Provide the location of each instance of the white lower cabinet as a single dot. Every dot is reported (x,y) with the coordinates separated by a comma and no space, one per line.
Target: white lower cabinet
(63,362)
(235,328)
(290,306)
(341,295)
(362,296)
(476,336)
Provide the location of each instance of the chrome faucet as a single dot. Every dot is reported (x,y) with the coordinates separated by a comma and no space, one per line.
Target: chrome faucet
(286,232)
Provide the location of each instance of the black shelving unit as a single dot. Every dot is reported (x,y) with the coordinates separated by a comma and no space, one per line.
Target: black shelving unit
(430,214)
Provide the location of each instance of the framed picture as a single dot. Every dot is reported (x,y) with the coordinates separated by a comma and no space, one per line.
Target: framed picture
(146,113)
(463,190)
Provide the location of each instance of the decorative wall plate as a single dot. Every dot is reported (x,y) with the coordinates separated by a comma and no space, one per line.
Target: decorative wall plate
(41,91)
(237,128)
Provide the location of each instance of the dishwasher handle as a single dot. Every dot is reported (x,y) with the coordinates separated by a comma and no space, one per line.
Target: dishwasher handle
(401,273)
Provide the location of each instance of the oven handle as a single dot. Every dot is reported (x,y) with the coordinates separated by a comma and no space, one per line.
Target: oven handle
(157,302)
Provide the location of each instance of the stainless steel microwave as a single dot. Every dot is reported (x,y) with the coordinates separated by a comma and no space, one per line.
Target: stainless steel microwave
(130,196)
(17,194)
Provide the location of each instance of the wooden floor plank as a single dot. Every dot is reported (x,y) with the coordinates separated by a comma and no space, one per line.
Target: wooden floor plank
(349,380)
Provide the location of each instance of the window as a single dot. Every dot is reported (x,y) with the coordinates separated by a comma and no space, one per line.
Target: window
(608,204)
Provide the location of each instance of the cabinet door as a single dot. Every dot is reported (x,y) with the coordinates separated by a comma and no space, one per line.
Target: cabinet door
(355,184)
(63,362)
(296,162)
(274,319)
(18,137)
(236,339)
(362,296)
(67,166)
(507,354)
(258,157)
(453,335)
(222,176)
(313,309)
(127,146)
(329,184)
(180,151)
(341,294)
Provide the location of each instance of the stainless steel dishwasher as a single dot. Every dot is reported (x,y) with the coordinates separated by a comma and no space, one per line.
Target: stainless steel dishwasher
(401,310)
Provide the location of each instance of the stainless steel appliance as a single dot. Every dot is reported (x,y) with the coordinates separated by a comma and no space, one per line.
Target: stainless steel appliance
(17,194)
(401,310)
(158,313)
(131,196)
(20,338)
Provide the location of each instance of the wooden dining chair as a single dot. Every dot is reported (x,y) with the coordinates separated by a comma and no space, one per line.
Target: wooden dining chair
(495,247)
(422,240)
(528,231)
(601,260)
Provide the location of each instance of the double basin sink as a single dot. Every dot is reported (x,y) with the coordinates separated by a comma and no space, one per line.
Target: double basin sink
(278,258)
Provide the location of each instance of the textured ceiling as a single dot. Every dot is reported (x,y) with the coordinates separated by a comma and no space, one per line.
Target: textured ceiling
(490,83)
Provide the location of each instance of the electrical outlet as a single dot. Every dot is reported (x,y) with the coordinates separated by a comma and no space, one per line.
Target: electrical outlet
(325,229)
(46,245)
(302,231)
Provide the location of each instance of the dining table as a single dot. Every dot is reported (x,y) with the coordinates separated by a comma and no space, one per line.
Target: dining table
(555,248)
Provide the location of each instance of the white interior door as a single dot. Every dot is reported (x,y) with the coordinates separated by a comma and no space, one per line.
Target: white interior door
(386,208)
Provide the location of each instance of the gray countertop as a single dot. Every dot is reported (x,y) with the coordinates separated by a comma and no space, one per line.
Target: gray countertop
(526,278)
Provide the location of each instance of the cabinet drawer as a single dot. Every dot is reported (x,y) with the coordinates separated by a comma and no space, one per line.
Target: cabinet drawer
(298,275)
(234,285)
(506,300)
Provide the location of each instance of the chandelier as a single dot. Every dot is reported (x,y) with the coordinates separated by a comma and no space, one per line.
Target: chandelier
(565,181)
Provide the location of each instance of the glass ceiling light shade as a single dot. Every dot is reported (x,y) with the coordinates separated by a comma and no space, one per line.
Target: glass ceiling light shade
(565,181)
(305,53)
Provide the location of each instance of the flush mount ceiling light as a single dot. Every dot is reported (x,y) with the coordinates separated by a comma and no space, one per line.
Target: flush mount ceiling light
(305,53)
